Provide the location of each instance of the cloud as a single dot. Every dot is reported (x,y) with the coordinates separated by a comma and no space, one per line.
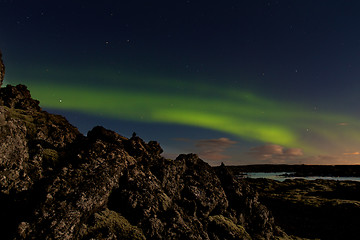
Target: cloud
(213,149)
(332,159)
(277,154)
(353,153)
(293,152)
(273,153)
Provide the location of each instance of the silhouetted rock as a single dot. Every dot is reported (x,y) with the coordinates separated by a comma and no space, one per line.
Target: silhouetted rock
(58,184)
(2,70)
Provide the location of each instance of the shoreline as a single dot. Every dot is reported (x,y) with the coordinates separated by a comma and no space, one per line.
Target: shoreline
(300,170)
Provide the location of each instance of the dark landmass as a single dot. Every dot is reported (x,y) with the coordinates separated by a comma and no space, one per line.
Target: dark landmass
(324,209)
(301,170)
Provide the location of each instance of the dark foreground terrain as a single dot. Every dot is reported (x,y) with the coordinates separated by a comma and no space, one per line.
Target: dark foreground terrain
(323,209)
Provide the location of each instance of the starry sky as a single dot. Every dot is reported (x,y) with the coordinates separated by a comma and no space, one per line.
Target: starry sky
(239,82)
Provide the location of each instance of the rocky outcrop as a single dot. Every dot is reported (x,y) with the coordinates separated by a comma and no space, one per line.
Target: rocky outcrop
(250,213)
(80,189)
(31,140)
(2,69)
(31,145)
(58,184)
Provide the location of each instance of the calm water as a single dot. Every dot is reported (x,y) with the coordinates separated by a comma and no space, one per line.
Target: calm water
(277,176)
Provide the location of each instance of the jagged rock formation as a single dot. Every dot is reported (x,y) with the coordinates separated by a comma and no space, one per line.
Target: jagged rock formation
(2,69)
(58,184)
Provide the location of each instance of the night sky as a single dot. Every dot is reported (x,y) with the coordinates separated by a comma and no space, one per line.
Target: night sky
(239,82)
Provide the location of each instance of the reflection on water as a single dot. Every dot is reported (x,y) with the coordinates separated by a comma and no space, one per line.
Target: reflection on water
(281,176)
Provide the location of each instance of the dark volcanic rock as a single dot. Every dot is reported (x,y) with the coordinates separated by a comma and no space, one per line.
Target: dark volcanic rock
(247,209)
(31,141)
(170,199)
(58,184)
(2,70)
(77,192)
(31,145)
(108,224)
(224,228)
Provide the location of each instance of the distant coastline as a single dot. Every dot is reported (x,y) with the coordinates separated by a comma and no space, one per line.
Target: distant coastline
(300,170)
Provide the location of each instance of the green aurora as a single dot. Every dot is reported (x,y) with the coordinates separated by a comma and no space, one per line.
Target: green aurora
(220,108)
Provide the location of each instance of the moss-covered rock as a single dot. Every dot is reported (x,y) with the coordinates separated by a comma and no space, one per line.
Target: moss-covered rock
(50,156)
(165,201)
(108,224)
(221,227)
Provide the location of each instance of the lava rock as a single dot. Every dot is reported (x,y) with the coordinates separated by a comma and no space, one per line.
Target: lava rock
(246,207)
(79,190)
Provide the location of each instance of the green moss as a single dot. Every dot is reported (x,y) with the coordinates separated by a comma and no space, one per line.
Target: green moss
(225,227)
(50,156)
(20,114)
(107,224)
(23,116)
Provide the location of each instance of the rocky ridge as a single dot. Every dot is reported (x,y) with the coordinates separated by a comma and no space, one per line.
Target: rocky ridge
(59,184)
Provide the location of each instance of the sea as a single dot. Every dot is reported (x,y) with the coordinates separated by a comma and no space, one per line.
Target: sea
(282,176)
